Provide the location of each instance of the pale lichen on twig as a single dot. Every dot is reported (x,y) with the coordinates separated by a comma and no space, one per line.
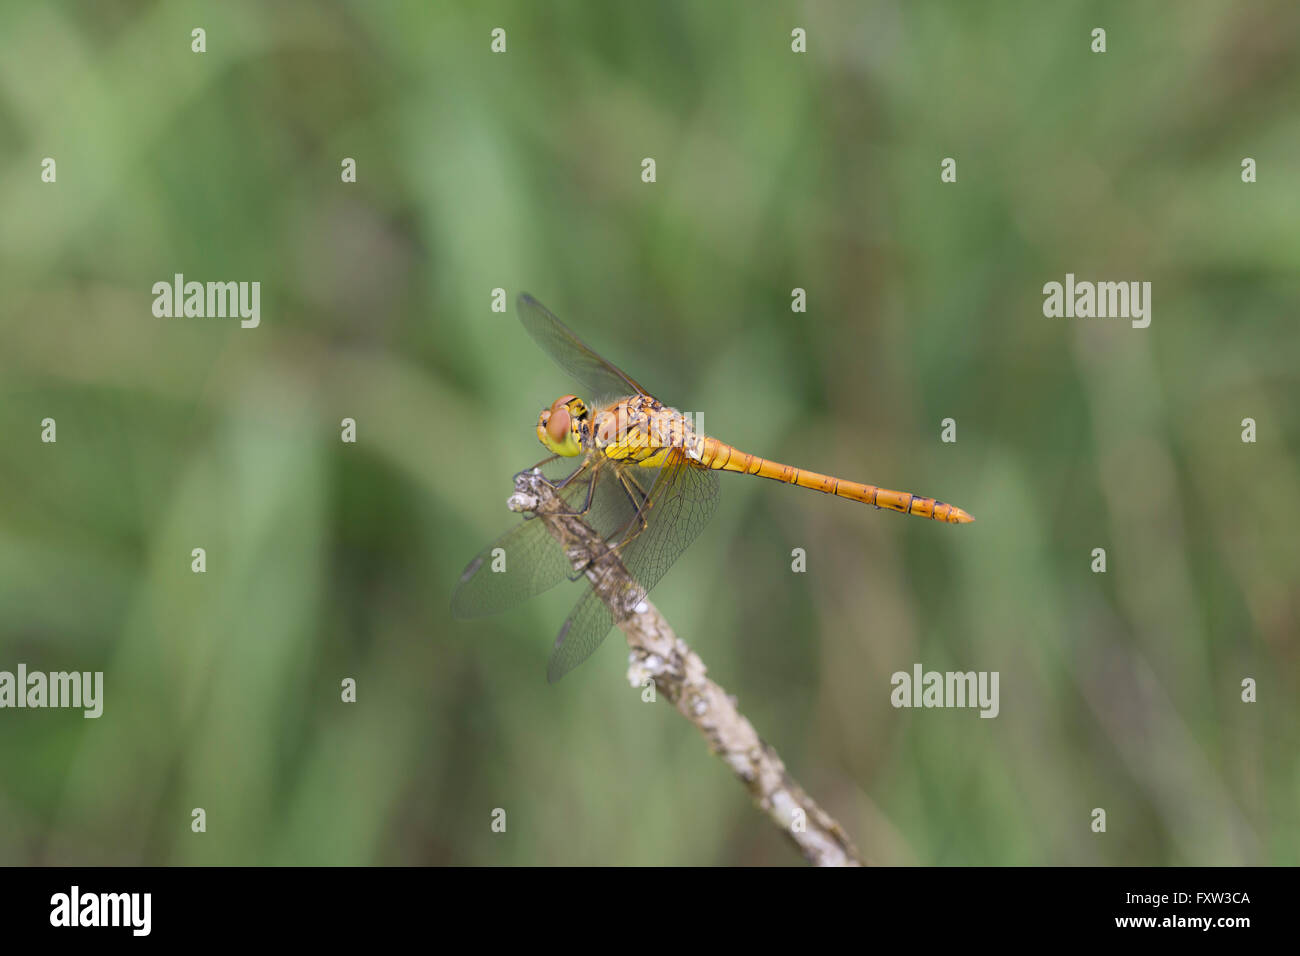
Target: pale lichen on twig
(658,655)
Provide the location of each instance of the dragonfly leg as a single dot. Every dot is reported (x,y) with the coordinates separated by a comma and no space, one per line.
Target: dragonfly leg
(557,485)
(632,488)
(591,489)
(566,481)
(586,505)
(563,483)
(635,484)
(536,467)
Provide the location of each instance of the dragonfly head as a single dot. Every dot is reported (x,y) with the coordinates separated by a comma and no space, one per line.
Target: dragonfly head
(562,427)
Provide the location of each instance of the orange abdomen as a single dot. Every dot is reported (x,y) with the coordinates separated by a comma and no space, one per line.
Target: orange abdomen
(720,456)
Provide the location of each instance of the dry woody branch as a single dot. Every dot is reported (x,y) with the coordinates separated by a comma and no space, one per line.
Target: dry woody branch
(678,674)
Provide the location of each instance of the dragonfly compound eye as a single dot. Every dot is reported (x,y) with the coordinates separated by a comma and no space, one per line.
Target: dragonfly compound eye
(558,425)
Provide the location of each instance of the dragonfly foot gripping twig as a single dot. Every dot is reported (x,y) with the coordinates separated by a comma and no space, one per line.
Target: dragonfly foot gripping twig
(659,655)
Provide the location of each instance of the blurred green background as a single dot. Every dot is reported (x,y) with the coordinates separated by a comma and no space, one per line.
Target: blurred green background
(522,171)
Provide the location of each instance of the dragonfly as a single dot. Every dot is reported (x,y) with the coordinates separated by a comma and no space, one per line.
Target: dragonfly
(641,477)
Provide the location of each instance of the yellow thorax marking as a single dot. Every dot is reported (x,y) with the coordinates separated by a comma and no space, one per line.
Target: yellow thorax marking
(642,430)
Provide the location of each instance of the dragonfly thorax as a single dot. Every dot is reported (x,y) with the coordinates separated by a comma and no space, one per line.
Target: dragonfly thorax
(641,430)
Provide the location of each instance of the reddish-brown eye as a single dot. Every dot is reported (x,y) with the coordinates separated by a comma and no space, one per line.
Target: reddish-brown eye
(558,426)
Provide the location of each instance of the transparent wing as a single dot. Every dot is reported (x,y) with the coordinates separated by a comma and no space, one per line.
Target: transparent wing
(529,562)
(571,354)
(681,501)
(614,507)
(580,635)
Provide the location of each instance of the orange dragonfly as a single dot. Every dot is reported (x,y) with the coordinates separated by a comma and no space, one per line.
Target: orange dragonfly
(646,482)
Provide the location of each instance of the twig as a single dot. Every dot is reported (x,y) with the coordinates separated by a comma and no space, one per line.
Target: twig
(658,655)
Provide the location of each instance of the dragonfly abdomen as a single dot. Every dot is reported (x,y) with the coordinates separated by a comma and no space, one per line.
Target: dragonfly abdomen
(719,456)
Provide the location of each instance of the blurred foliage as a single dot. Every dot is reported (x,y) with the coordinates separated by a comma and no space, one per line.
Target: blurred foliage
(775,171)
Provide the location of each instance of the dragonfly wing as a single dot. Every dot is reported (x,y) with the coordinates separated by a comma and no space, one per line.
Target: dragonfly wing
(580,635)
(572,354)
(523,562)
(682,500)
